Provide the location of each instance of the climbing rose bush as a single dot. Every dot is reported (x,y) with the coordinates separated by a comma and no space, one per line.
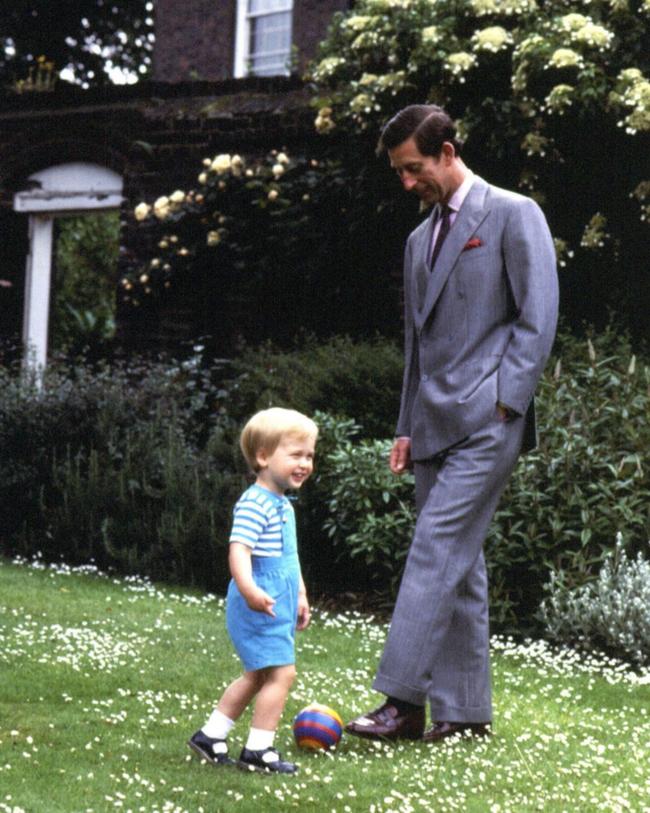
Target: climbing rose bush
(234,199)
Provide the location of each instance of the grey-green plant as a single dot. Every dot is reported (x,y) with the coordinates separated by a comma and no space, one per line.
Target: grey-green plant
(610,613)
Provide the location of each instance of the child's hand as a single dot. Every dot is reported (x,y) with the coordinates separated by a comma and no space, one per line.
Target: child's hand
(304,612)
(260,601)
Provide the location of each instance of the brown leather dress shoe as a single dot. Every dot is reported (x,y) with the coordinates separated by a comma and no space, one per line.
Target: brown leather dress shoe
(388,723)
(440,731)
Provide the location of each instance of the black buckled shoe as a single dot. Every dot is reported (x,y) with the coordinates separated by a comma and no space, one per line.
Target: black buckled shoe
(213,751)
(268,760)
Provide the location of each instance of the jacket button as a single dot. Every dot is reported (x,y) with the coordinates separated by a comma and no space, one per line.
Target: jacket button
(425,378)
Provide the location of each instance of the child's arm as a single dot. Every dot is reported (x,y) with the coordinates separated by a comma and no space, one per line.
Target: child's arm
(304,612)
(239,560)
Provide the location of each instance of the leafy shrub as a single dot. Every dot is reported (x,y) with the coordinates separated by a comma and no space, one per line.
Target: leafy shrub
(154,506)
(355,520)
(611,613)
(370,510)
(586,480)
(119,464)
(359,379)
(138,467)
(563,504)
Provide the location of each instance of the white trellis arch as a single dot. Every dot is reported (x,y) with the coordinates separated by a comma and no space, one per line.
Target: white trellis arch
(75,188)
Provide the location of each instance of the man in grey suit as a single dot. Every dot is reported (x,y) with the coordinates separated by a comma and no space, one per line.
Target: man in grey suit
(481,300)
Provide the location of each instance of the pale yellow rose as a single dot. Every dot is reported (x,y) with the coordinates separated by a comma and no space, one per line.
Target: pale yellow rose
(161,207)
(460,62)
(324,122)
(141,211)
(221,163)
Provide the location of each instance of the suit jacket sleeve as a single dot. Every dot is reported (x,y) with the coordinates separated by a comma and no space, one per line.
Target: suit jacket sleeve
(530,264)
(411,366)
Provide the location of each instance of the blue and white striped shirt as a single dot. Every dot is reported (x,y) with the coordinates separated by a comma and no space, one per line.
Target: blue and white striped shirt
(257,521)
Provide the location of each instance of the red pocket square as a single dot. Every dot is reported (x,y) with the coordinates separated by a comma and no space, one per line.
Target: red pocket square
(475,242)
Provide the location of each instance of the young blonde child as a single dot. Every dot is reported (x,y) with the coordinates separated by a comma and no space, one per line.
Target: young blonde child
(267,599)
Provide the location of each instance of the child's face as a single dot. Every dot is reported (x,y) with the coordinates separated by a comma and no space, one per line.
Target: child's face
(289,466)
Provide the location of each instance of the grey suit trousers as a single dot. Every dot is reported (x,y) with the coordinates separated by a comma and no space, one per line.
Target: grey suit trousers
(437,648)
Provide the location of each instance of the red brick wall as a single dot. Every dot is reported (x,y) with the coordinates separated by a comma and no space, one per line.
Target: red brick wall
(310,21)
(195,38)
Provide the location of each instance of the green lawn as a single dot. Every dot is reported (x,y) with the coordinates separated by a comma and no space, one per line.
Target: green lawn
(102,680)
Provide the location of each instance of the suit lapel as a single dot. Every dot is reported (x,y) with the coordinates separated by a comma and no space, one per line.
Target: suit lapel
(471,214)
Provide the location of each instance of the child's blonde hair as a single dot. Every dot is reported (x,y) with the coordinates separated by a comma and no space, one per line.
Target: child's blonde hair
(266,429)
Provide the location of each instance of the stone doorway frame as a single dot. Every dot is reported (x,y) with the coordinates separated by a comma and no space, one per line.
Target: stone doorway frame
(74,188)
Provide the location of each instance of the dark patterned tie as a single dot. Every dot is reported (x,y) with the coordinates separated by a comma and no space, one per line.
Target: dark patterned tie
(443,231)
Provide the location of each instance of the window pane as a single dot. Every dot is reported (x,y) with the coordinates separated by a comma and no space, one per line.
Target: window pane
(270,44)
(270,34)
(258,6)
(269,66)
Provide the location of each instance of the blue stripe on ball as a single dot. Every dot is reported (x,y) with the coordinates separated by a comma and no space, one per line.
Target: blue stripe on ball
(313,728)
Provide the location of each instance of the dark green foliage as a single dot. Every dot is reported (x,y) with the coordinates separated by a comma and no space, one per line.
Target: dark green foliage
(139,467)
(565,503)
(84,282)
(323,253)
(587,480)
(371,512)
(118,465)
(345,377)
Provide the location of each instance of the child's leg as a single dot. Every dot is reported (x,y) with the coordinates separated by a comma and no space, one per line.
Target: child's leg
(272,696)
(210,742)
(240,693)
(233,702)
(259,753)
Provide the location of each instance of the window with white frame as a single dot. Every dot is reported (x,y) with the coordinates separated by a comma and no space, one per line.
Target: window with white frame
(263,46)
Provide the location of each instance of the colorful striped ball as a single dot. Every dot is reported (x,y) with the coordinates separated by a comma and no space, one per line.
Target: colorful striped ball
(317,727)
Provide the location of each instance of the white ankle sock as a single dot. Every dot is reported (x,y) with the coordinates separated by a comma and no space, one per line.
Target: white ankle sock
(218,726)
(259,739)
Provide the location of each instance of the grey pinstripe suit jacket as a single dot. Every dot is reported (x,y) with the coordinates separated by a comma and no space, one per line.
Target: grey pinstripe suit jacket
(485,328)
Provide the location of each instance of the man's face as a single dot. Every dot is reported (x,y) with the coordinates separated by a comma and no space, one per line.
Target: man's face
(428,177)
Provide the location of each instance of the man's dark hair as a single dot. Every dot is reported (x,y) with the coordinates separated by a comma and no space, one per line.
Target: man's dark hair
(428,124)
